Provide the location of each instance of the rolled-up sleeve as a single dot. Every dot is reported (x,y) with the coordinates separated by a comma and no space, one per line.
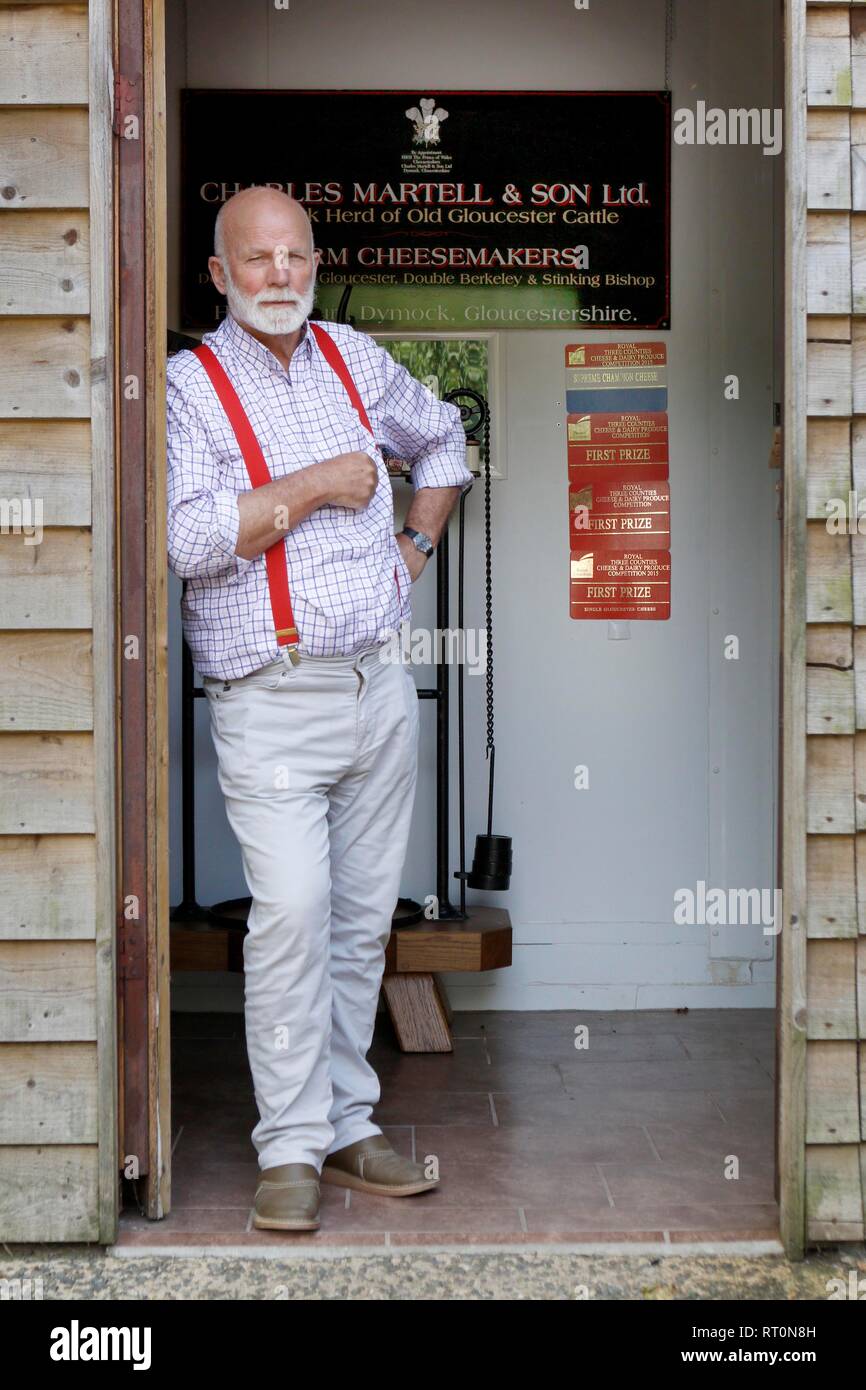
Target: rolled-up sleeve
(203,515)
(426,432)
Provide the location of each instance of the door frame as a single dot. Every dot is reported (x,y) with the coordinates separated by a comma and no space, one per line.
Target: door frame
(144,943)
(143,960)
(791,994)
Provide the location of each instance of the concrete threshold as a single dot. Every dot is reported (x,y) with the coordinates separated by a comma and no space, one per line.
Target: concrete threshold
(720,1248)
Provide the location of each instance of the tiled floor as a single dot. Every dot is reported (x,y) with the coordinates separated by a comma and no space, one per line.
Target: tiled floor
(536,1141)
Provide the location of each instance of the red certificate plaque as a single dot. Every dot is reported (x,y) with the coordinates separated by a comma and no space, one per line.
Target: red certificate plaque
(616,367)
(621,506)
(610,356)
(616,583)
(623,439)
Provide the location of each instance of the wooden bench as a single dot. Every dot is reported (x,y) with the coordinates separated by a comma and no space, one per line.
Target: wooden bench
(414,958)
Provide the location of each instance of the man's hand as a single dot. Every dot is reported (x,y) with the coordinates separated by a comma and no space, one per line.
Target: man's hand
(415,558)
(350,479)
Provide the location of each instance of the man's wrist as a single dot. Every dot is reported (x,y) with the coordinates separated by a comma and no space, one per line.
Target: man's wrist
(421,541)
(323,474)
(414,560)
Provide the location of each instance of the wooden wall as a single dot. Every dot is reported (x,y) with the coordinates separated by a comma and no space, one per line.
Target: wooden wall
(833,433)
(58,1147)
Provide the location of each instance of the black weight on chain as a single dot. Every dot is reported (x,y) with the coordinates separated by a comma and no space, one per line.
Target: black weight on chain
(491,862)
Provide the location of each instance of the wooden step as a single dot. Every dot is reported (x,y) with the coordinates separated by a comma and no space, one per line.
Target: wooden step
(482,942)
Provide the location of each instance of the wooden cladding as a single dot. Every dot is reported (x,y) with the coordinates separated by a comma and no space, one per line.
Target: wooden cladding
(47,887)
(43,56)
(44,158)
(46,370)
(48,460)
(46,262)
(835,686)
(31,697)
(58,1149)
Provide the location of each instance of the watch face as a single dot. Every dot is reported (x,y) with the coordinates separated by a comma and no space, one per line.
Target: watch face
(419,540)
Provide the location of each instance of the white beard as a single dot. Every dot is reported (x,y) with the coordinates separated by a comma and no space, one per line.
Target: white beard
(277,320)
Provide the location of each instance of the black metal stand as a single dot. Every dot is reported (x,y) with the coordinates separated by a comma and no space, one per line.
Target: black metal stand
(189,908)
(461,789)
(442,694)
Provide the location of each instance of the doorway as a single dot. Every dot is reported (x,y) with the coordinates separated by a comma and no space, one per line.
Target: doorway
(687,760)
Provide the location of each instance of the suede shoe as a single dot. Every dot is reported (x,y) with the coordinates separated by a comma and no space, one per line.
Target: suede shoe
(371,1165)
(287,1198)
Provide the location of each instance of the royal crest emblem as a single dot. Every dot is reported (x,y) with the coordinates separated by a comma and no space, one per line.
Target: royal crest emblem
(426,121)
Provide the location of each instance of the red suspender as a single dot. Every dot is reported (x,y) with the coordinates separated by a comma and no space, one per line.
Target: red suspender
(259,473)
(335,360)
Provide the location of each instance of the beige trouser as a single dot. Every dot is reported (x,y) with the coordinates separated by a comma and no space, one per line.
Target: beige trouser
(317,763)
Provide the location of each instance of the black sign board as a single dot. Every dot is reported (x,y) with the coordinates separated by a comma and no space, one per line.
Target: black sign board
(448,210)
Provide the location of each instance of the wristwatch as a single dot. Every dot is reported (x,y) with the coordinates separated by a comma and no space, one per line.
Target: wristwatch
(419,540)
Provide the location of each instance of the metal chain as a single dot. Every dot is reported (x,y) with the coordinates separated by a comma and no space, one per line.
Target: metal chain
(488,577)
(669,40)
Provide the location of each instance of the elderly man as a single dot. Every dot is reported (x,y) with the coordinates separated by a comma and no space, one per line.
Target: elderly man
(280,519)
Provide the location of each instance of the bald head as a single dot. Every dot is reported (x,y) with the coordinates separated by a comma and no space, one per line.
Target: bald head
(265,262)
(252,211)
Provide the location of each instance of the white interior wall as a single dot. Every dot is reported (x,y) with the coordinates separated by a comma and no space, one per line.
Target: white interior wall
(680,743)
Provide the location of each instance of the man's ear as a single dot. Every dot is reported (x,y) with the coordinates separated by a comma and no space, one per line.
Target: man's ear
(215,266)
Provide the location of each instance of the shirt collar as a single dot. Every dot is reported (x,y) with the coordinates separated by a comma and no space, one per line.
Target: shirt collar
(255,353)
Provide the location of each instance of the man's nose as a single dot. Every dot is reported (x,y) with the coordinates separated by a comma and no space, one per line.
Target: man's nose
(279,272)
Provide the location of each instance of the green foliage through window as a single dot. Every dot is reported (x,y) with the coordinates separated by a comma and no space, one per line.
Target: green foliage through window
(444,364)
